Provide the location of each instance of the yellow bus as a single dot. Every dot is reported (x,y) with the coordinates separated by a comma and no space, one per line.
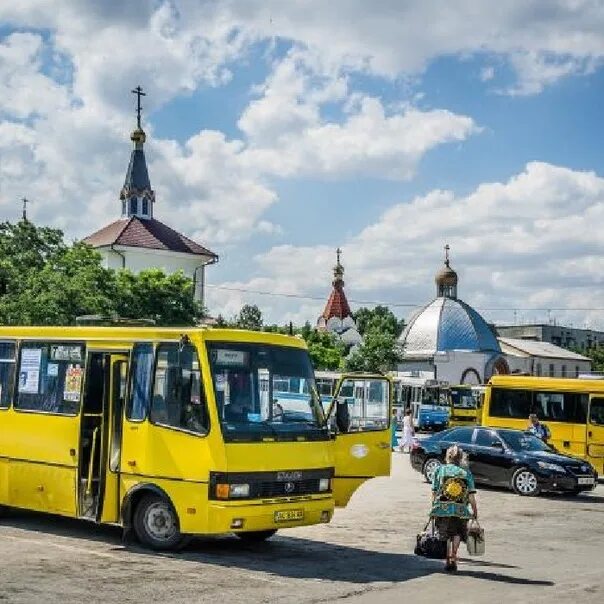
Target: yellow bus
(464,405)
(572,409)
(174,432)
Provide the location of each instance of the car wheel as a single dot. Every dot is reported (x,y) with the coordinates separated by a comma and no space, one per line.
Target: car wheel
(525,483)
(156,523)
(430,467)
(256,536)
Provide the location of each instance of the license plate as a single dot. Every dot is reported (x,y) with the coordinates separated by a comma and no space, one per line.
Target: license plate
(585,480)
(289,515)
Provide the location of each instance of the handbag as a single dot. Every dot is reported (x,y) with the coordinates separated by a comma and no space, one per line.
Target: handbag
(430,544)
(475,540)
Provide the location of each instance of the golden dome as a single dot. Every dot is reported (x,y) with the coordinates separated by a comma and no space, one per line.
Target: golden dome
(446,276)
(138,136)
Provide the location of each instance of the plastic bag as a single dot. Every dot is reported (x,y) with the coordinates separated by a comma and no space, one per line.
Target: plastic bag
(475,541)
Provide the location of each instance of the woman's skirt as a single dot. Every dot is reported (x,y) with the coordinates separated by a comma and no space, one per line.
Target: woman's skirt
(452,526)
(407,439)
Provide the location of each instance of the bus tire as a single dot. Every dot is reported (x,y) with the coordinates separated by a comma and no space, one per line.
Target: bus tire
(156,523)
(525,483)
(256,536)
(431,465)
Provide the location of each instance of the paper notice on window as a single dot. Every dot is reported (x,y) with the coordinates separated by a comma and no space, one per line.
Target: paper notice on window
(29,372)
(52,370)
(73,383)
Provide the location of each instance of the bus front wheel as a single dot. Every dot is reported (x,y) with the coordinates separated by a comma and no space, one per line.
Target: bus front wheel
(256,536)
(156,523)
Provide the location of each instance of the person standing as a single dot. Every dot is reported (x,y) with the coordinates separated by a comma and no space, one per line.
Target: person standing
(538,429)
(408,432)
(394,428)
(453,494)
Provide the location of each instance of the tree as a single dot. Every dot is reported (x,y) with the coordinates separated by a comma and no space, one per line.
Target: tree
(45,281)
(377,353)
(250,317)
(380,319)
(151,294)
(326,352)
(596,355)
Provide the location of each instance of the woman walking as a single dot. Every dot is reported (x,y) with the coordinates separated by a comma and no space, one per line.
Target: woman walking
(453,494)
(408,432)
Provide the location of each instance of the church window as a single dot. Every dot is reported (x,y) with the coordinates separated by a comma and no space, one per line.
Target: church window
(145,210)
(123,207)
(133,205)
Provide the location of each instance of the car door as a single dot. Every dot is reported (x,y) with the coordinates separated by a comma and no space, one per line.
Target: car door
(362,448)
(492,462)
(595,433)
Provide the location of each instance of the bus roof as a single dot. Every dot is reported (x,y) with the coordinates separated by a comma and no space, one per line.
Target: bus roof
(547,383)
(126,334)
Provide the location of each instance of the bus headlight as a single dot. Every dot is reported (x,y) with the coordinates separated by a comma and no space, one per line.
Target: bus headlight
(239,490)
(324,484)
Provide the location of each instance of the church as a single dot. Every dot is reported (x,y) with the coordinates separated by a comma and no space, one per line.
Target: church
(448,340)
(337,317)
(137,240)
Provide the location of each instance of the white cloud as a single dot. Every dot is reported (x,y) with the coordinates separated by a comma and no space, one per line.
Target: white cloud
(532,241)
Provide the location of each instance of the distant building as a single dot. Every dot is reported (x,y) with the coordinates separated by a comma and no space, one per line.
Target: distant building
(542,358)
(448,340)
(567,337)
(138,241)
(337,317)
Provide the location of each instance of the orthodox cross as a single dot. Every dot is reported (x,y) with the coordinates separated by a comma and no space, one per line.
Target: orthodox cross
(447,248)
(25,202)
(338,254)
(138,91)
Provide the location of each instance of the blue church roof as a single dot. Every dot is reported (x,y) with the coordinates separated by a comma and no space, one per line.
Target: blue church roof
(137,176)
(447,324)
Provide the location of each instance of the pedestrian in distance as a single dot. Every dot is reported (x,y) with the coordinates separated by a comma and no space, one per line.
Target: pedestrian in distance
(538,429)
(408,432)
(453,502)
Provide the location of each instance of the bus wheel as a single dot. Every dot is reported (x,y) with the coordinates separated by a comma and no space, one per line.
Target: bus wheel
(256,536)
(524,482)
(156,523)
(430,468)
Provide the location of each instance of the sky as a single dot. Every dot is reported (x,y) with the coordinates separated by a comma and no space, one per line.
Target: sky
(278,131)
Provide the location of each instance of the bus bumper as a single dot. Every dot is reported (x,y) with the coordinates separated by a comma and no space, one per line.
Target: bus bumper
(242,516)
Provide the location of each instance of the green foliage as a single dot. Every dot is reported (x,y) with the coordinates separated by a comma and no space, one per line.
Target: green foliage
(151,294)
(250,317)
(326,352)
(597,357)
(377,353)
(380,319)
(44,281)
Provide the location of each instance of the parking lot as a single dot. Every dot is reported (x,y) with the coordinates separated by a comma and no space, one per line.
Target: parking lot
(541,549)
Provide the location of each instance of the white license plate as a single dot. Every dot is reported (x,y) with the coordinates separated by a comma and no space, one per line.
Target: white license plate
(585,480)
(289,515)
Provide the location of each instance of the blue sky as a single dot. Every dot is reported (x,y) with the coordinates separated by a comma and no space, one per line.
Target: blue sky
(279,131)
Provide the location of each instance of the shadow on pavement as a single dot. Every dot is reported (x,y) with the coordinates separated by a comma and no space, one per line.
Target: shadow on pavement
(487,576)
(475,562)
(282,556)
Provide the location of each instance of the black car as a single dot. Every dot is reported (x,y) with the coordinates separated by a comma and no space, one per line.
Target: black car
(509,458)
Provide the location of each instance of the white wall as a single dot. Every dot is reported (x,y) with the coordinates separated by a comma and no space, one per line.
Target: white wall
(562,367)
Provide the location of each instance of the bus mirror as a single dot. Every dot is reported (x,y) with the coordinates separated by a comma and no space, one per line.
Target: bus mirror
(342,415)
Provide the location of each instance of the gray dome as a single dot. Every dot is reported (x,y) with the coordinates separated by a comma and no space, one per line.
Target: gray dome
(447,324)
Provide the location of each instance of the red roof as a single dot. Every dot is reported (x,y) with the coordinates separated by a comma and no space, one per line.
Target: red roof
(337,305)
(146,233)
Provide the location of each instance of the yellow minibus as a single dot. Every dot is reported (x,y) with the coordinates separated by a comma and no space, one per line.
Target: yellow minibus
(572,409)
(175,432)
(464,405)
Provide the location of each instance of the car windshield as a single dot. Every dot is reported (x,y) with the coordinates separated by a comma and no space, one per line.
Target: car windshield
(265,392)
(520,441)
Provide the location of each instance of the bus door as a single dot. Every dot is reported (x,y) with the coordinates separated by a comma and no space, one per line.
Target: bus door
(103,382)
(361,415)
(595,432)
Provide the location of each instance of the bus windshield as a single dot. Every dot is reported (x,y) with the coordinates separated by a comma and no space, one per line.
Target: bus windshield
(463,398)
(435,396)
(265,392)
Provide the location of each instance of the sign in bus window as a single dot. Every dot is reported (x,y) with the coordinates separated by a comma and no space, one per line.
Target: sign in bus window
(49,382)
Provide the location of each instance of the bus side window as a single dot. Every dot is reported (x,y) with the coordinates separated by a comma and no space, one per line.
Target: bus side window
(510,403)
(140,391)
(7,373)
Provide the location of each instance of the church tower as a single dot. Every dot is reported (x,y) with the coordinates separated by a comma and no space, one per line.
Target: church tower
(446,279)
(138,241)
(337,317)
